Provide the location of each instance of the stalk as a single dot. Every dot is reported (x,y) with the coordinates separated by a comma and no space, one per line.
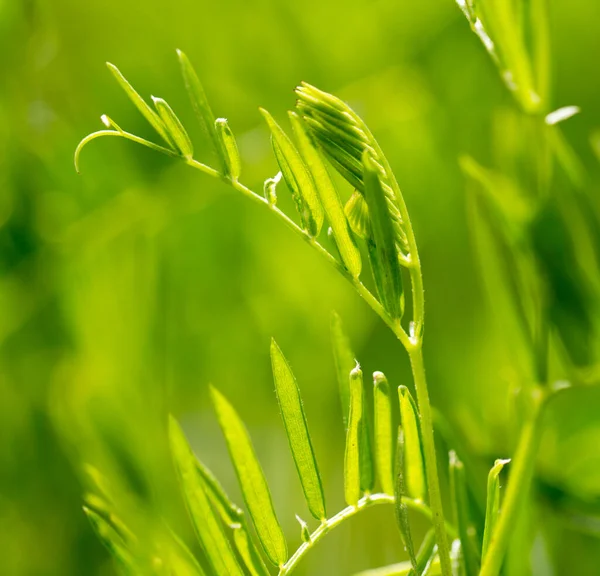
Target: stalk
(433,485)
(519,481)
(348,512)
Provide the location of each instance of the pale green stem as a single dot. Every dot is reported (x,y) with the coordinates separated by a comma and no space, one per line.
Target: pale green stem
(519,481)
(433,485)
(328,525)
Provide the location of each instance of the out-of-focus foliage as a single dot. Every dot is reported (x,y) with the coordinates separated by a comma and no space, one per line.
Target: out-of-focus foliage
(127,290)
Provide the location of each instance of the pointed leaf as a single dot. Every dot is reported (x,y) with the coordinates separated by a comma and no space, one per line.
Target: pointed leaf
(344,362)
(230,149)
(209,530)
(233,517)
(151,116)
(297,177)
(384,235)
(294,419)
(415,471)
(458,488)
(174,127)
(384,440)
(400,493)
(200,104)
(352,461)
(493,503)
(252,480)
(329,197)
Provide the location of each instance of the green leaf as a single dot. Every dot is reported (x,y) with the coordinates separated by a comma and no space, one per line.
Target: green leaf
(400,493)
(458,488)
(357,213)
(493,503)
(151,116)
(415,471)
(209,530)
(344,362)
(181,561)
(113,542)
(233,517)
(297,177)
(304,530)
(200,104)
(252,480)
(230,149)
(384,235)
(384,441)
(174,127)
(352,458)
(367,467)
(296,427)
(330,199)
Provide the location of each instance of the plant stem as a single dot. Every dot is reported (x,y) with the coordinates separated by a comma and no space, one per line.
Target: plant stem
(348,512)
(433,485)
(519,480)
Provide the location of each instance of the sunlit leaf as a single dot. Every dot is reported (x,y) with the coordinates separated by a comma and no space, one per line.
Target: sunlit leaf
(208,529)
(174,127)
(230,149)
(352,458)
(384,438)
(252,480)
(413,458)
(151,116)
(297,177)
(296,428)
(493,503)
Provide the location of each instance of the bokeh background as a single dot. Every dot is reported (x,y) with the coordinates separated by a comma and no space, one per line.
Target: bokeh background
(125,291)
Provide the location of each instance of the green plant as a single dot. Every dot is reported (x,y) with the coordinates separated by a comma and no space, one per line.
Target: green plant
(552,308)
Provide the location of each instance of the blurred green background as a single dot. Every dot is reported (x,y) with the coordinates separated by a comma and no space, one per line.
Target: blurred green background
(125,291)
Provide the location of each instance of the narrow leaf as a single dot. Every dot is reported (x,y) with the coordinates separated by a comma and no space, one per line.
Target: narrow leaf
(493,503)
(297,177)
(151,116)
(329,197)
(357,212)
(415,471)
(367,466)
(113,542)
(208,529)
(304,530)
(384,442)
(400,493)
(181,560)
(230,149)
(384,234)
(353,436)
(200,103)
(174,127)
(252,480)
(233,517)
(296,427)
(460,503)
(344,362)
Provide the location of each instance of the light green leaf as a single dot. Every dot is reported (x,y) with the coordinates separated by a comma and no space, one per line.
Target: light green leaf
(400,493)
(230,149)
(344,362)
(367,467)
(304,530)
(151,116)
(415,471)
(460,504)
(181,561)
(329,197)
(493,503)
(384,235)
(384,441)
(352,454)
(233,517)
(252,480)
(357,212)
(296,427)
(297,177)
(113,542)
(209,530)
(174,127)
(200,104)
